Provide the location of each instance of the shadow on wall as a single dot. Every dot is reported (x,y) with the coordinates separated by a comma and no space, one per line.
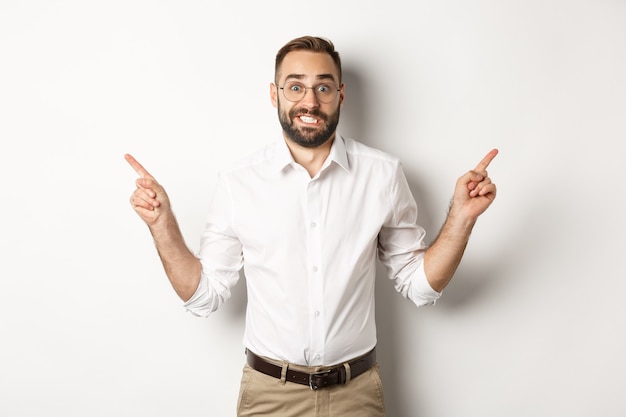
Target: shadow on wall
(235,308)
(355,112)
(397,318)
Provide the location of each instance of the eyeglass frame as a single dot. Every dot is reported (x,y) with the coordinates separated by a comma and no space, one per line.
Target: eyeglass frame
(314,87)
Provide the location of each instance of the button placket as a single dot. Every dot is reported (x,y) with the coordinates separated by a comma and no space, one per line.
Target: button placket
(316,279)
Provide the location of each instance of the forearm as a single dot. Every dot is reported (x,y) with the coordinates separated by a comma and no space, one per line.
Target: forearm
(473,194)
(443,257)
(182,267)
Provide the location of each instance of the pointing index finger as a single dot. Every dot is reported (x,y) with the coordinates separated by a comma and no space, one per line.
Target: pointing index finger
(482,165)
(139,169)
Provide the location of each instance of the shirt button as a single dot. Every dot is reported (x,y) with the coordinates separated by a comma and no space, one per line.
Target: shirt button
(317,313)
(314,269)
(313,225)
(317,357)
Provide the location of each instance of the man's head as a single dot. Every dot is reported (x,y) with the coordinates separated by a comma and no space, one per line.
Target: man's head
(307,90)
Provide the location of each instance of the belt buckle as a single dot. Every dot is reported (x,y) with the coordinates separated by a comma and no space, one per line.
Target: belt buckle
(314,383)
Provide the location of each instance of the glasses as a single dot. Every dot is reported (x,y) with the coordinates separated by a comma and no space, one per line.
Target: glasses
(295,91)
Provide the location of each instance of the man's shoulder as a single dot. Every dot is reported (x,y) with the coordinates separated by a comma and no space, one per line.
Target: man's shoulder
(357,149)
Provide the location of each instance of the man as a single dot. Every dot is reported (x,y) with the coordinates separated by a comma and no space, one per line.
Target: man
(306,217)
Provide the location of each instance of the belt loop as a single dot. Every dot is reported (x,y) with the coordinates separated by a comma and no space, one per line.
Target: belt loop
(346,365)
(283,373)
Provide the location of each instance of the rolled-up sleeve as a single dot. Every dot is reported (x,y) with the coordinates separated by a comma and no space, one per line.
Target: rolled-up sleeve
(401,245)
(220,254)
(416,288)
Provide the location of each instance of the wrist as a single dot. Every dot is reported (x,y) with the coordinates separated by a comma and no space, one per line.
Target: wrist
(457,219)
(164,224)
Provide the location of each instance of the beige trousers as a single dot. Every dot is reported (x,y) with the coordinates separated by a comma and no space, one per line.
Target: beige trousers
(263,395)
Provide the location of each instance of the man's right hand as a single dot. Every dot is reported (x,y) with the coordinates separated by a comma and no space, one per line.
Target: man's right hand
(149,200)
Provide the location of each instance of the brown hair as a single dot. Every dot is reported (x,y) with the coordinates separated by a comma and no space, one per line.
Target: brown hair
(308,43)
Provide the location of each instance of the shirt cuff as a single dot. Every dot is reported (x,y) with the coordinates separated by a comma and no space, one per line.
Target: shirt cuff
(422,294)
(199,301)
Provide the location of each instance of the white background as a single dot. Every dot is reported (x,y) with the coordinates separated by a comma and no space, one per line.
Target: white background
(532,324)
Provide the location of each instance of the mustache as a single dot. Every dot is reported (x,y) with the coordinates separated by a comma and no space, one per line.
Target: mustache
(309,112)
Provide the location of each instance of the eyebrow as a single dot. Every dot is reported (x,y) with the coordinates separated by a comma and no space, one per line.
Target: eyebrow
(302,76)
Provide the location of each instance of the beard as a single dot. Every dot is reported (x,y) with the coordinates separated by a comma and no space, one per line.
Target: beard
(308,137)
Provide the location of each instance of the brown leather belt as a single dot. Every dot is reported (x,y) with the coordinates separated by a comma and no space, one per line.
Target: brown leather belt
(326,378)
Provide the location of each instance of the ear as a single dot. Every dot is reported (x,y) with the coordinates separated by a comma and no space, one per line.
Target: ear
(341,94)
(274,94)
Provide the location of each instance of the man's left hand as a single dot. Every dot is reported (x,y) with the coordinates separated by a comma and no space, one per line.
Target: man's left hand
(474,191)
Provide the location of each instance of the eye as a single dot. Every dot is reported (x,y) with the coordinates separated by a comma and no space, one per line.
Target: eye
(296,88)
(324,88)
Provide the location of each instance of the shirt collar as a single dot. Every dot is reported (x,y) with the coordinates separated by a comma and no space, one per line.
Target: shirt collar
(338,154)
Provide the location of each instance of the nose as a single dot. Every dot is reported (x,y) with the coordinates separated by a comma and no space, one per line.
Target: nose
(310,99)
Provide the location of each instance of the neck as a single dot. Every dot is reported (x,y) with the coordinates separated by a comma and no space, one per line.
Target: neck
(311,159)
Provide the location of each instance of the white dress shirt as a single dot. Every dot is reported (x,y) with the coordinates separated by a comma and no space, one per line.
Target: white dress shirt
(308,247)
